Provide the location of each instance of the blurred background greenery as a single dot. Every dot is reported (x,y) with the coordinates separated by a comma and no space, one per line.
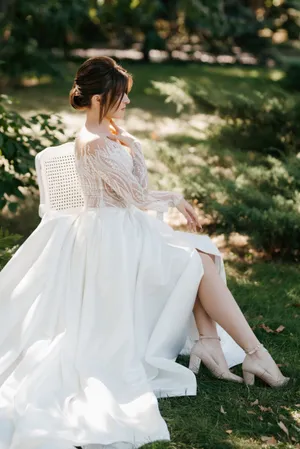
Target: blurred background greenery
(216,105)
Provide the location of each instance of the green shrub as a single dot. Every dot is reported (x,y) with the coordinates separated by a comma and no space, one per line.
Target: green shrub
(263,123)
(8,245)
(268,123)
(255,189)
(20,140)
(262,201)
(291,80)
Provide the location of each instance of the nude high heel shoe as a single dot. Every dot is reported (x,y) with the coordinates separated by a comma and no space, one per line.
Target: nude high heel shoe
(264,367)
(199,353)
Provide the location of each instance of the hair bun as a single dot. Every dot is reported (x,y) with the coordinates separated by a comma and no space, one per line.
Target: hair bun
(77,99)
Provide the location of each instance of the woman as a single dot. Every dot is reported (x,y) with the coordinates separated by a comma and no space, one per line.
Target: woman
(97,305)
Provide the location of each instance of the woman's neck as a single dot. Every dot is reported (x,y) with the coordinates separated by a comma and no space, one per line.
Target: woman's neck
(92,123)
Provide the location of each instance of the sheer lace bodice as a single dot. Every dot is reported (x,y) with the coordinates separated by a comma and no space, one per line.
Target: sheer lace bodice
(110,176)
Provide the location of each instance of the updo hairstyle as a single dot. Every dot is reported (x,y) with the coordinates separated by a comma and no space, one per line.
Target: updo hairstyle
(100,76)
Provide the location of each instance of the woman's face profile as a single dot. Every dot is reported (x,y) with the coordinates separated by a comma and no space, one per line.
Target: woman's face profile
(118,111)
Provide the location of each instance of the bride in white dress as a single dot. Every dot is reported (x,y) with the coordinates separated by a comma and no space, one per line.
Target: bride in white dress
(97,305)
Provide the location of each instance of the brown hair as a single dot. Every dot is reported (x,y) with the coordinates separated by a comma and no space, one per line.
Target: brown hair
(100,76)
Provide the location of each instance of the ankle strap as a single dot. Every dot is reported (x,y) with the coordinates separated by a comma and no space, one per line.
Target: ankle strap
(208,336)
(252,351)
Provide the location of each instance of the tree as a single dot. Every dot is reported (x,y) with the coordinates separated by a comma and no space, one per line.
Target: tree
(30,29)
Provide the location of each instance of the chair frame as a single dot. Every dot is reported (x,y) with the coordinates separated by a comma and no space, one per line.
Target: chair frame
(47,156)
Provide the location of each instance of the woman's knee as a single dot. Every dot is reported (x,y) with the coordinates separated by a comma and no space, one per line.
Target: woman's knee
(207,261)
(205,256)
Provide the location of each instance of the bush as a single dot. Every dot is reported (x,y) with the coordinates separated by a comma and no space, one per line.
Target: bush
(291,81)
(20,140)
(8,245)
(263,123)
(261,201)
(268,123)
(247,176)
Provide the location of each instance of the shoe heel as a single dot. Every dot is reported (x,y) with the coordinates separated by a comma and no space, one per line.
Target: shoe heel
(194,364)
(248,378)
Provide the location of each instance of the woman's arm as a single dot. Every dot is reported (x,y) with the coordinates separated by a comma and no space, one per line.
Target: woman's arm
(141,173)
(139,164)
(133,188)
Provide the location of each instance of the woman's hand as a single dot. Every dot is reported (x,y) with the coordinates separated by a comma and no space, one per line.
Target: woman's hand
(122,135)
(187,210)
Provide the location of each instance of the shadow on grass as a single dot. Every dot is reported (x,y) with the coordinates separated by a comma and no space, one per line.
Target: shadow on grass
(52,94)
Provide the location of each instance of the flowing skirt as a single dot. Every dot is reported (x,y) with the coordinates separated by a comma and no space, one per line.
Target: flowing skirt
(95,307)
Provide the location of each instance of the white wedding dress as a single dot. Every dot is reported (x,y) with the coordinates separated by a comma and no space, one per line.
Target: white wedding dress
(95,308)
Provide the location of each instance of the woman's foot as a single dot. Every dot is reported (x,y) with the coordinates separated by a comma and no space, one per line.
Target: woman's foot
(208,350)
(258,362)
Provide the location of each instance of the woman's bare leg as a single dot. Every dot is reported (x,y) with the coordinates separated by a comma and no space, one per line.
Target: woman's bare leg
(207,327)
(220,306)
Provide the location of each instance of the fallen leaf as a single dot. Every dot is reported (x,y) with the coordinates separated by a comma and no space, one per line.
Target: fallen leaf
(265,409)
(271,440)
(228,431)
(266,328)
(297,405)
(293,439)
(250,412)
(263,438)
(282,417)
(280,328)
(260,418)
(222,410)
(283,427)
(296,415)
(255,402)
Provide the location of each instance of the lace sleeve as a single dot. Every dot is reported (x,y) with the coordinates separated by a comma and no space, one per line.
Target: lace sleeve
(133,188)
(139,165)
(141,173)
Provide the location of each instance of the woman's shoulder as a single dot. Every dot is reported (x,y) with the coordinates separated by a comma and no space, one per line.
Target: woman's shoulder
(87,142)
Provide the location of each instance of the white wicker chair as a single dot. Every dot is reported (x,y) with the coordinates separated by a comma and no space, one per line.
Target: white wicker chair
(58,180)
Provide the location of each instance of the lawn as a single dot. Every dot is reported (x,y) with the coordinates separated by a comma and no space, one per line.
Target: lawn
(223,415)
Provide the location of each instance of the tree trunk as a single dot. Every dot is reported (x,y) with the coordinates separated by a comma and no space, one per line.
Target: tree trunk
(4,4)
(146,54)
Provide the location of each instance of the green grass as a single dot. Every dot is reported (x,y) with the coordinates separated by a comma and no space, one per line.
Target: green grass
(268,292)
(52,94)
